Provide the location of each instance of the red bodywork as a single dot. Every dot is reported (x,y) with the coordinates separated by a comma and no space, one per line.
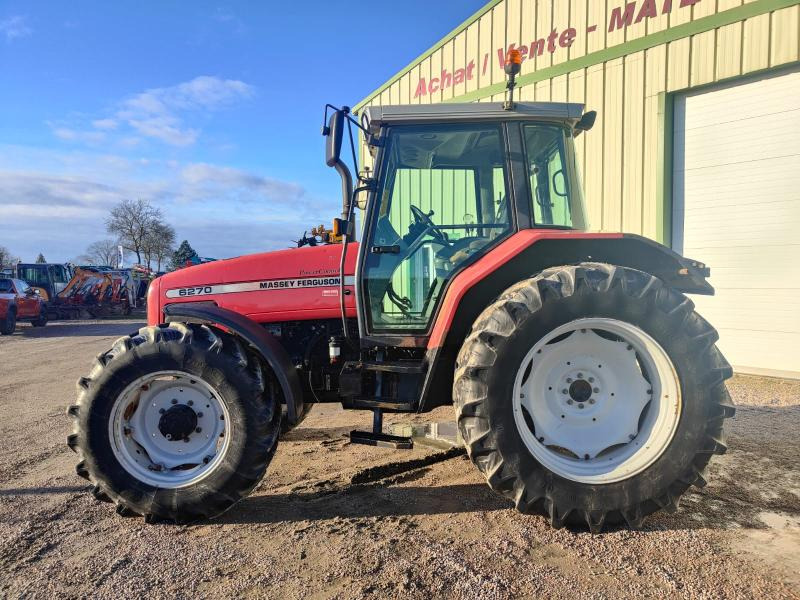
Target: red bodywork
(260,286)
(492,261)
(28,307)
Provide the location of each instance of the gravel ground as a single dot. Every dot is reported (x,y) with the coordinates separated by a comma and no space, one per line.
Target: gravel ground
(433,531)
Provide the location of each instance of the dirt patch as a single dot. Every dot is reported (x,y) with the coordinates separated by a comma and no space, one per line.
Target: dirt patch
(336,520)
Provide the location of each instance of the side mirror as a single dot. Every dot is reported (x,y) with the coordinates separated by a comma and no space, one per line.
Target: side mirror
(587,121)
(334,133)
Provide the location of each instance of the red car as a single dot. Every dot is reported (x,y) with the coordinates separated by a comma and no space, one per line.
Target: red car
(19,302)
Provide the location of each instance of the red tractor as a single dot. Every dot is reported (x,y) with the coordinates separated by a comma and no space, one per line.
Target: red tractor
(585,385)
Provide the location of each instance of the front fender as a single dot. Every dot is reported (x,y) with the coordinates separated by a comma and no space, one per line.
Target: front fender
(254,334)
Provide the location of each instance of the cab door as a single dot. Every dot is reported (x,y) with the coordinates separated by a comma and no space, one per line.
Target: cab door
(442,201)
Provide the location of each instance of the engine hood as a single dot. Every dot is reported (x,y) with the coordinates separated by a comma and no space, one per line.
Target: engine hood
(298,283)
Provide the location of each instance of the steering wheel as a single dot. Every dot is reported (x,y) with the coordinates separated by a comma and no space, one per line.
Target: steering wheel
(420,218)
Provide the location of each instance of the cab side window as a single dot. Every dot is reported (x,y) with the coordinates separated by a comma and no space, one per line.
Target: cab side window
(553,199)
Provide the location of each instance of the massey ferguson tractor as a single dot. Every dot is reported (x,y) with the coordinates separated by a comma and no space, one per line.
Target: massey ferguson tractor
(585,385)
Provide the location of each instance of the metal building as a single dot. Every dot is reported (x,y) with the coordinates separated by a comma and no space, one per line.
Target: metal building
(697,141)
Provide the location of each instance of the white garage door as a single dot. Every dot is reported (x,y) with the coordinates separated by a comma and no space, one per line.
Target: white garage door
(737,208)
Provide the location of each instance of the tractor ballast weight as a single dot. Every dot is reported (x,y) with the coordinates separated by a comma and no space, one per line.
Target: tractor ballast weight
(585,386)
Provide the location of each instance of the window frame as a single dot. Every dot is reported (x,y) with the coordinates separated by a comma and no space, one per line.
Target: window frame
(572,182)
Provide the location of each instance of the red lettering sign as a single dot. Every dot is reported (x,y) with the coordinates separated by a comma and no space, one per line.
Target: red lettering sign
(620,18)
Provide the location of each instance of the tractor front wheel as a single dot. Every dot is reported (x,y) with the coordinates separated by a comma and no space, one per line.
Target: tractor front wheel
(175,422)
(615,402)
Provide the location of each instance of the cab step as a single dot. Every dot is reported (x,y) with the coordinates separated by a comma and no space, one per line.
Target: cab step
(376,437)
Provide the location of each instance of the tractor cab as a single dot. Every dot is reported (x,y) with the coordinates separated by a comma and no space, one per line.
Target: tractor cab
(452,182)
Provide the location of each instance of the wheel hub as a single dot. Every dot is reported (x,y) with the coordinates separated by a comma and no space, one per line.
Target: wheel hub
(177,423)
(580,390)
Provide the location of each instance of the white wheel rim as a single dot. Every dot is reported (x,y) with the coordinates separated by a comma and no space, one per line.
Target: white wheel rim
(155,437)
(597,400)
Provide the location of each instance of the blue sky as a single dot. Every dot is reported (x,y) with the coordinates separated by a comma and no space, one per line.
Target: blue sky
(210,110)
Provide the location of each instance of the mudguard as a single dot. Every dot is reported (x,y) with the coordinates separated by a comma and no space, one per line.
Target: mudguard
(523,255)
(255,335)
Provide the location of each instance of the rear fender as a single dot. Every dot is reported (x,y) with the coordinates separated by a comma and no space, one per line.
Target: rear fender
(254,334)
(523,255)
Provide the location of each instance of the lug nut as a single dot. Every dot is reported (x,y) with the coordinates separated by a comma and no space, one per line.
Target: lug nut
(199,415)
(569,379)
(174,400)
(591,379)
(591,400)
(186,439)
(168,436)
(199,429)
(564,391)
(580,405)
(595,390)
(161,411)
(190,402)
(580,375)
(569,401)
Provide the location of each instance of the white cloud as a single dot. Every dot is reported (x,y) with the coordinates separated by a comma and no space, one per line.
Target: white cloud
(61,208)
(74,135)
(163,114)
(160,112)
(15,27)
(204,181)
(105,124)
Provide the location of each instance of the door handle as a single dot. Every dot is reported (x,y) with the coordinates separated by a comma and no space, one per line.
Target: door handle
(385,249)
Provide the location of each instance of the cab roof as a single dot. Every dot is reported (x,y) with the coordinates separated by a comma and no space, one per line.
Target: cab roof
(378,116)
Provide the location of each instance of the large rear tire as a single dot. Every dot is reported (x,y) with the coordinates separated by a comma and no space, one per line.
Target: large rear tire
(556,432)
(175,423)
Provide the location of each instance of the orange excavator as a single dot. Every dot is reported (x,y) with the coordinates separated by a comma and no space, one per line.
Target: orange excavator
(94,293)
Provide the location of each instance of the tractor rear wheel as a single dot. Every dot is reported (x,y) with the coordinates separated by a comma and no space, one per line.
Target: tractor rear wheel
(593,394)
(175,422)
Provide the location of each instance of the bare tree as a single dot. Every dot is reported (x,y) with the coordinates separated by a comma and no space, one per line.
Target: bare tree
(159,243)
(6,258)
(131,221)
(102,252)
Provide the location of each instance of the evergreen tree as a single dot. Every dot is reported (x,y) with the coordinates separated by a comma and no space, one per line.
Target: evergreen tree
(40,259)
(184,254)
